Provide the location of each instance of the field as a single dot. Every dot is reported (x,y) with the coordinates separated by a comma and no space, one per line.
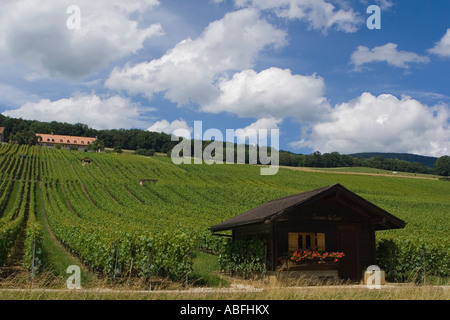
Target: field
(98,216)
(368,171)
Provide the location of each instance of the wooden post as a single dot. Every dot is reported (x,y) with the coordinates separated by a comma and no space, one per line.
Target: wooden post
(113,276)
(115,264)
(32,261)
(265,256)
(423,259)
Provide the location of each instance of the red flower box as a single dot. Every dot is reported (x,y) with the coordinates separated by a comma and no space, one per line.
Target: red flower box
(311,257)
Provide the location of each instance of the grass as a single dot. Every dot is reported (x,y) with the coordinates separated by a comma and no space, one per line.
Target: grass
(206,271)
(206,283)
(362,170)
(11,200)
(55,258)
(260,291)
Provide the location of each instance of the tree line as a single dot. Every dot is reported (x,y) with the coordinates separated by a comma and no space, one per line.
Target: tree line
(147,143)
(336,160)
(24,132)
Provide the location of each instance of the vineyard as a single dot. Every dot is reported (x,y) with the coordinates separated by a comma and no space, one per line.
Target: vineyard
(115,226)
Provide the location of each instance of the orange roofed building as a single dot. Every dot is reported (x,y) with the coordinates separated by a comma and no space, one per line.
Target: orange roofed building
(66,142)
(2,134)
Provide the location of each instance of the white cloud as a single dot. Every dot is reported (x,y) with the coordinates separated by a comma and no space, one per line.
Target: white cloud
(12,96)
(37,34)
(387,53)
(187,72)
(264,124)
(202,72)
(319,14)
(172,127)
(442,48)
(273,92)
(382,124)
(112,112)
(384,4)
(258,132)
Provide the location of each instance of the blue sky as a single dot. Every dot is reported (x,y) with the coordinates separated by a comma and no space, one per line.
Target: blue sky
(311,69)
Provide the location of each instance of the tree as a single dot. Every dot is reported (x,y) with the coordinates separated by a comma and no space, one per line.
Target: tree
(443,166)
(24,137)
(118,149)
(97,146)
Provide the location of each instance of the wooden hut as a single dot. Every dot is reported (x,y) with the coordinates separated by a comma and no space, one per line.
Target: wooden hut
(143,182)
(85,161)
(331,219)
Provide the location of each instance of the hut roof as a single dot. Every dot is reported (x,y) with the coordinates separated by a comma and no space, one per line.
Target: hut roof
(274,209)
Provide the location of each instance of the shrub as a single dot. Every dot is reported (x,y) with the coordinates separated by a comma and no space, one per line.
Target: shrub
(244,257)
(406,260)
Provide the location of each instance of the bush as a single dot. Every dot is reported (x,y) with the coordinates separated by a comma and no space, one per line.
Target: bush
(145,152)
(406,260)
(244,257)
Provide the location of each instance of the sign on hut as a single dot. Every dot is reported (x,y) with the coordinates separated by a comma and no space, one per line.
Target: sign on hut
(328,230)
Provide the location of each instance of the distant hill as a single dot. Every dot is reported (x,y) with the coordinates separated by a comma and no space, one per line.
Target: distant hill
(425,160)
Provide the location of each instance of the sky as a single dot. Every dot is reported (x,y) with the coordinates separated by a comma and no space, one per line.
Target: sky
(330,75)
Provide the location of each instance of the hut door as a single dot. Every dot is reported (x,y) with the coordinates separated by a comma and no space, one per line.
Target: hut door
(348,237)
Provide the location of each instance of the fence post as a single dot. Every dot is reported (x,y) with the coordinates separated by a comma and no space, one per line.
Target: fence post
(33,258)
(114,270)
(115,263)
(265,257)
(423,261)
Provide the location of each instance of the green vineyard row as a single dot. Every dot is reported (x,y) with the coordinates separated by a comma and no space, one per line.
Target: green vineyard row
(101,213)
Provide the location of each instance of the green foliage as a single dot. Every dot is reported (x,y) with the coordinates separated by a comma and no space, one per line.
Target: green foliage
(336,160)
(206,271)
(244,257)
(102,214)
(406,260)
(117,149)
(135,139)
(34,238)
(144,152)
(97,145)
(24,137)
(443,166)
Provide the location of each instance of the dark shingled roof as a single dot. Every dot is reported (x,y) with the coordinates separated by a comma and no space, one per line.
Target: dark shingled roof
(276,208)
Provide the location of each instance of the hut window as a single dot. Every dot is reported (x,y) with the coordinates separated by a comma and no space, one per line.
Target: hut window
(306,241)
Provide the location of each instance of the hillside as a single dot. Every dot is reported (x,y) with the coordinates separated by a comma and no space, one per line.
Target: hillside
(425,160)
(109,221)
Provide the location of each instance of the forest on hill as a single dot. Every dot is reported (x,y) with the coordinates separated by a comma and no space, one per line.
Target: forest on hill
(147,143)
